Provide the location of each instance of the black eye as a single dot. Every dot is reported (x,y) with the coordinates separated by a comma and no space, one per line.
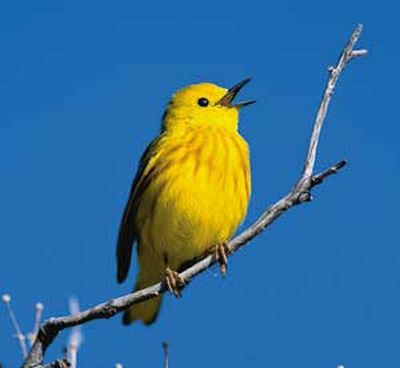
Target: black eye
(203,102)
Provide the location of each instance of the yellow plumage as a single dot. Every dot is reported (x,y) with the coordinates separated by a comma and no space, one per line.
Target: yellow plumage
(191,191)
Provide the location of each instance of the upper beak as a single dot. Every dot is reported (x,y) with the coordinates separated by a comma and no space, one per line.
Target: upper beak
(227,99)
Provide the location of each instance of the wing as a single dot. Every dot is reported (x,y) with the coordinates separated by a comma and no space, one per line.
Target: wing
(127,232)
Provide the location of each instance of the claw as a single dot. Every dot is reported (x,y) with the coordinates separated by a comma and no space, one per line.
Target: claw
(175,283)
(221,252)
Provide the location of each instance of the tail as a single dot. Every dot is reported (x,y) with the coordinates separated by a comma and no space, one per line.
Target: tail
(146,311)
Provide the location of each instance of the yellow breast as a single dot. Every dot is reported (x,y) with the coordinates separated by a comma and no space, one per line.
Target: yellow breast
(198,192)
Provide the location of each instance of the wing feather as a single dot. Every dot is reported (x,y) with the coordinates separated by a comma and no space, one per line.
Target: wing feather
(127,232)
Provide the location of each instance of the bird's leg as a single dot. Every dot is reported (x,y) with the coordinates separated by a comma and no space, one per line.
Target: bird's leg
(220,252)
(175,283)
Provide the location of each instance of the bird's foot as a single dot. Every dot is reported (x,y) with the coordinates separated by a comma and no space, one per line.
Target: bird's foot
(175,283)
(220,252)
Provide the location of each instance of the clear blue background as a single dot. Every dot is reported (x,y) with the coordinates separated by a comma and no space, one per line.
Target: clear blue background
(82,89)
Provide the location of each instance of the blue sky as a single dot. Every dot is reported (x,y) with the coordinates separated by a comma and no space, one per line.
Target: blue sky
(82,89)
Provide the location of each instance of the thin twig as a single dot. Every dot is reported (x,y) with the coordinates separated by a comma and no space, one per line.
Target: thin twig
(318,179)
(347,54)
(299,194)
(166,355)
(75,339)
(6,298)
(38,318)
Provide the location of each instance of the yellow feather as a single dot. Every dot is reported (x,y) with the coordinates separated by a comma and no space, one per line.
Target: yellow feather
(191,192)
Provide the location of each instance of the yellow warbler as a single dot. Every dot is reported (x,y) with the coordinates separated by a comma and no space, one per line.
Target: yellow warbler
(190,192)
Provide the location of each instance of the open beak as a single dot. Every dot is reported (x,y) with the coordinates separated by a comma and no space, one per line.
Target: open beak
(227,99)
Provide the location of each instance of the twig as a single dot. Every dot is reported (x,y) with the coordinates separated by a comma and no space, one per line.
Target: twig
(347,54)
(318,179)
(166,357)
(299,194)
(75,339)
(38,318)
(6,298)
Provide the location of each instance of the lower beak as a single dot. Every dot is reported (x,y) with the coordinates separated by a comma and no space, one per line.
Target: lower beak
(227,99)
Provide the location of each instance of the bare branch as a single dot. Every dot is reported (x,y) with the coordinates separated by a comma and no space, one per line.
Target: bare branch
(357,53)
(166,355)
(319,178)
(6,298)
(75,339)
(347,54)
(38,318)
(299,194)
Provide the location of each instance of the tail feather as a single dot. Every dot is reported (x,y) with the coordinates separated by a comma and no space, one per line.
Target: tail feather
(146,311)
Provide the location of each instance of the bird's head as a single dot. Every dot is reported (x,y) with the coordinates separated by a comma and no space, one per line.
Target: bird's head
(204,105)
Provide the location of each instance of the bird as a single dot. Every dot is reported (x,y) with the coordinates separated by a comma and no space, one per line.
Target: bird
(189,195)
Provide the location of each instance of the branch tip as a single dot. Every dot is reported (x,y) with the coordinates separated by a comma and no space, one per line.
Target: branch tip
(165,346)
(319,178)
(358,53)
(6,298)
